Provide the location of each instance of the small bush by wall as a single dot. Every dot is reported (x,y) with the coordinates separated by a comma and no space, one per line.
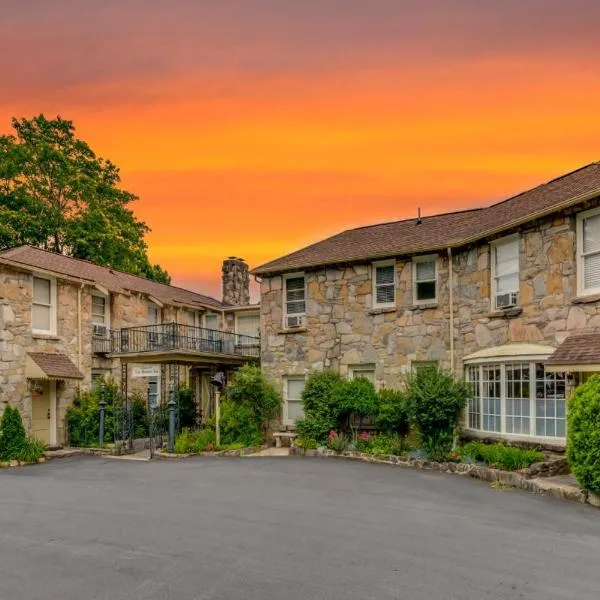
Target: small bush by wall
(393,415)
(583,434)
(499,456)
(14,443)
(190,442)
(320,412)
(254,395)
(354,398)
(435,399)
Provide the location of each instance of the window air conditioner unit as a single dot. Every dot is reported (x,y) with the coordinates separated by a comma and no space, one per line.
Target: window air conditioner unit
(506,300)
(294,321)
(100,331)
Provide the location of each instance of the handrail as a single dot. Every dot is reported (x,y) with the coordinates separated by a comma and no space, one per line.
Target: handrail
(175,336)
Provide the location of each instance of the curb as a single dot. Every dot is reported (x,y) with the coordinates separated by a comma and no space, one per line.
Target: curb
(512,479)
(220,453)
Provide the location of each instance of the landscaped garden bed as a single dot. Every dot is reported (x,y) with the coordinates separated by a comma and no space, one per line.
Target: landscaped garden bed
(16,448)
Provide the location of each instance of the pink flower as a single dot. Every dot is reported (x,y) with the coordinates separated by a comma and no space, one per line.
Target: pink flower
(364,436)
(332,434)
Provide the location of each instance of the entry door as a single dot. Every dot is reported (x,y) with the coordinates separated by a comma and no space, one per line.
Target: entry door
(41,413)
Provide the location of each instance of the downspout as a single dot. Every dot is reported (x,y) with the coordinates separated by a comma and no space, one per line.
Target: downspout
(451,289)
(79,340)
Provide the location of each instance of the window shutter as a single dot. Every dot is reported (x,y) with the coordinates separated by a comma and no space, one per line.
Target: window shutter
(385,285)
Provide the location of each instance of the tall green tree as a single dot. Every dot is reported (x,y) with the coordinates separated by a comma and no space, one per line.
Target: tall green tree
(56,193)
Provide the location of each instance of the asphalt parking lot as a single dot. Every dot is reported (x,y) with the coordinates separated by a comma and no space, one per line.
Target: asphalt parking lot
(284,528)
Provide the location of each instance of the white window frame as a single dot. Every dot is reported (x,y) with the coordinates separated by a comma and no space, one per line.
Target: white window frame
(494,285)
(246,314)
(502,364)
(287,421)
(106,309)
(302,315)
(374,267)
(52,305)
(581,290)
(420,259)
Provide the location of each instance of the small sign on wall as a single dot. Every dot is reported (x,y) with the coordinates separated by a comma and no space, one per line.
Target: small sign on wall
(146,371)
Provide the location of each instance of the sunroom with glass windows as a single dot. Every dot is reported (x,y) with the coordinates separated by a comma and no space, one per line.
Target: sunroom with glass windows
(515,396)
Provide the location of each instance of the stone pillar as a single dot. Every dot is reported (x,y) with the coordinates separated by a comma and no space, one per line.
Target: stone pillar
(236,282)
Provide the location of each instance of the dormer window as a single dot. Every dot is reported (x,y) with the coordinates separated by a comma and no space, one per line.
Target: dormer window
(505,273)
(384,284)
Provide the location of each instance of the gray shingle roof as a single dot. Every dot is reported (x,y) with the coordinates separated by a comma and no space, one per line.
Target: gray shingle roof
(440,231)
(112,280)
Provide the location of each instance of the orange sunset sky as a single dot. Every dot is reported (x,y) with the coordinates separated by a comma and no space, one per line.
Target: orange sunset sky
(254,127)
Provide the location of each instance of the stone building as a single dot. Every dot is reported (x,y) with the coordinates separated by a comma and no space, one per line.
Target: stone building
(489,293)
(65,323)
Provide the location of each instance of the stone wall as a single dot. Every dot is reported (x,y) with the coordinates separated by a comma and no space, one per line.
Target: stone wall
(343,330)
(17,339)
(236,282)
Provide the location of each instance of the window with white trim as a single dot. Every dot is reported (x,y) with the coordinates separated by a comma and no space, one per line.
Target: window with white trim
(517,399)
(100,314)
(424,279)
(384,284)
(211,321)
(588,252)
(295,300)
(192,317)
(247,324)
(43,309)
(292,394)
(505,272)
(366,371)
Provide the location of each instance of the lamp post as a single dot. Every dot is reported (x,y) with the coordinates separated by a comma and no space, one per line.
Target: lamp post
(219,382)
(102,405)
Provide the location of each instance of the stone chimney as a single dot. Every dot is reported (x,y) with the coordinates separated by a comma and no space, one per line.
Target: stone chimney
(236,281)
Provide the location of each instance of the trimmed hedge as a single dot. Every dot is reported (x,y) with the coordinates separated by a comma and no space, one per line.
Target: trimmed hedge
(583,434)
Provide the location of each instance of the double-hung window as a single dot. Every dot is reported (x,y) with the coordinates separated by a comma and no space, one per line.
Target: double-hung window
(505,273)
(292,408)
(295,300)
(99,316)
(425,279)
(43,310)
(384,284)
(588,252)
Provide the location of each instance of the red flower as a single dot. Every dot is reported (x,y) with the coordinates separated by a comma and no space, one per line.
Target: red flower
(364,436)
(332,434)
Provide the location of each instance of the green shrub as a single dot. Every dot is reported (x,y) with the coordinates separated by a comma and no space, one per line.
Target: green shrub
(189,442)
(507,458)
(254,394)
(32,451)
(436,399)
(188,409)
(238,425)
(14,443)
(306,443)
(354,398)
(320,414)
(83,416)
(393,415)
(12,435)
(583,434)
(383,444)
(337,443)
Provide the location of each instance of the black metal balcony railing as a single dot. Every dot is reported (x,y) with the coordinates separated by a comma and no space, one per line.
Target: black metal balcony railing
(175,336)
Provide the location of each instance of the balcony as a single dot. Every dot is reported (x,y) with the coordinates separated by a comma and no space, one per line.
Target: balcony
(173,341)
